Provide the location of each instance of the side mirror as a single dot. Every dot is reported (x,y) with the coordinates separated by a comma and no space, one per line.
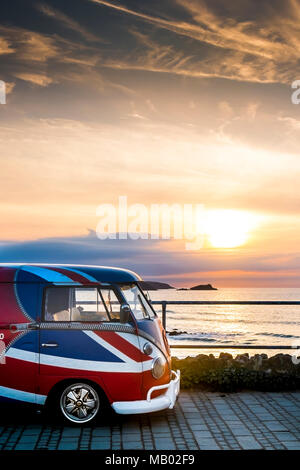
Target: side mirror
(124,313)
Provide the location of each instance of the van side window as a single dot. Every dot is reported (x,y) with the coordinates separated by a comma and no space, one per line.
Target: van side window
(81,304)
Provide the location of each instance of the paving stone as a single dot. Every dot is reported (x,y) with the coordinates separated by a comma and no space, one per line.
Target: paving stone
(68,445)
(201,434)
(284,436)
(199,427)
(248,443)
(202,420)
(208,444)
(133,445)
(275,426)
(292,445)
(164,444)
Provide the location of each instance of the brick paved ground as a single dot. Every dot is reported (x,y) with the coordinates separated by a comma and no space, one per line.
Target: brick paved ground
(200,420)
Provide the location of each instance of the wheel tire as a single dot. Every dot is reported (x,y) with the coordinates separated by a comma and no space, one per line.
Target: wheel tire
(79,403)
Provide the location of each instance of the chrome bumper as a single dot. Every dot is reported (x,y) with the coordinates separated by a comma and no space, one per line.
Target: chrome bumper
(167,400)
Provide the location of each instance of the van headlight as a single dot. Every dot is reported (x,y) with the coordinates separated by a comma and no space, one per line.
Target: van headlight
(158,367)
(147,349)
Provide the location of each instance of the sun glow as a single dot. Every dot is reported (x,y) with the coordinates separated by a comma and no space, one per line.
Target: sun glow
(228,228)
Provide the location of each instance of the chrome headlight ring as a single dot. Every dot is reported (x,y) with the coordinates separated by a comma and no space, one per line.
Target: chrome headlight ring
(158,367)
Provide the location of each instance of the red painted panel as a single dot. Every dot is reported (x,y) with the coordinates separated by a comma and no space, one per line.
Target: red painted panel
(122,345)
(18,374)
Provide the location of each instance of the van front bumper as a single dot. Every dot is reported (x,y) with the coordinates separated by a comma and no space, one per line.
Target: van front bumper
(167,400)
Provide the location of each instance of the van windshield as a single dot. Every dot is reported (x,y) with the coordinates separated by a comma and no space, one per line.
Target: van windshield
(139,305)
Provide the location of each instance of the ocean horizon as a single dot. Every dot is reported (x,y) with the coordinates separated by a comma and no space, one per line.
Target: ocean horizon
(255,325)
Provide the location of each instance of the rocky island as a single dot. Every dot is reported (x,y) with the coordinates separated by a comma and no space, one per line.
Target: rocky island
(199,287)
(203,287)
(154,285)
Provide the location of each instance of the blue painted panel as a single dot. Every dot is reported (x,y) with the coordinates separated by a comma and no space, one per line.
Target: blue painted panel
(26,291)
(75,345)
(28,342)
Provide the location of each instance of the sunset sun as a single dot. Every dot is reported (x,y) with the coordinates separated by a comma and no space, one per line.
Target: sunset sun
(228,228)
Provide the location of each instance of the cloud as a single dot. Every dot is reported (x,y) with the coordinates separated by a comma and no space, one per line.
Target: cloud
(154,259)
(69,23)
(292,123)
(30,52)
(240,50)
(29,45)
(5,47)
(9,87)
(158,58)
(43,59)
(35,78)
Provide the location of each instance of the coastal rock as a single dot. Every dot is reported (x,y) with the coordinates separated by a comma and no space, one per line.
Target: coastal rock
(176,332)
(203,287)
(225,373)
(225,356)
(281,362)
(243,358)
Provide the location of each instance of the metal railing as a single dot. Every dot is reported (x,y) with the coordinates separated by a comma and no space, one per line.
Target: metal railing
(164,304)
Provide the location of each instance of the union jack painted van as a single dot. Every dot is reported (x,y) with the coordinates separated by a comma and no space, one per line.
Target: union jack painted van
(78,336)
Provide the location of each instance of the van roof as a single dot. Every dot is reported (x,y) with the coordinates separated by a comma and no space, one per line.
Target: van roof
(64,273)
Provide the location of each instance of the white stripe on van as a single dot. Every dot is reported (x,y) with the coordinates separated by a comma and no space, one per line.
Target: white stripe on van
(139,342)
(22,396)
(27,356)
(77,364)
(111,348)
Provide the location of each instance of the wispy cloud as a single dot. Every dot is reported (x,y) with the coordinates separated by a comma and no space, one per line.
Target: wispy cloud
(152,56)
(5,47)
(211,29)
(35,78)
(69,22)
(28,45)
(42,59)
(241,50)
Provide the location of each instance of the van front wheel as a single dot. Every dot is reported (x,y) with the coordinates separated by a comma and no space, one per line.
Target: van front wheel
(79,403)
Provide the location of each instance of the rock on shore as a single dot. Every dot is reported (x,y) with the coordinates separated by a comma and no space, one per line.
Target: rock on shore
(225,373)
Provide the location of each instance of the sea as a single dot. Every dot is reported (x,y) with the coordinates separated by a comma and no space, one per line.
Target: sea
(232,325)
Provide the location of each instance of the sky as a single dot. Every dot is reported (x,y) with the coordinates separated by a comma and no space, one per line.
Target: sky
(170,101)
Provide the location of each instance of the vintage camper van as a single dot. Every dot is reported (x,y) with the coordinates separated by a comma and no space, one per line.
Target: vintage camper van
(75,337)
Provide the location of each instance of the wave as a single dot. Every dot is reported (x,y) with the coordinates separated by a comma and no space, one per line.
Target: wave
(277,335)
(205,337)
(226,338)
(234,320)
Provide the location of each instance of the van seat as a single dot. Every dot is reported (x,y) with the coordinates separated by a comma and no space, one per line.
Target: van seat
(64,315)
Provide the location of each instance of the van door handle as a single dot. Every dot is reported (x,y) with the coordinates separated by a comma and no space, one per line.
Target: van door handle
(49,345)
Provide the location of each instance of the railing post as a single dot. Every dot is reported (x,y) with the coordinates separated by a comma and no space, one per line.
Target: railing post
(164,313)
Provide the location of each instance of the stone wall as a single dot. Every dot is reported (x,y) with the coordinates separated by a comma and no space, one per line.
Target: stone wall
(225,373)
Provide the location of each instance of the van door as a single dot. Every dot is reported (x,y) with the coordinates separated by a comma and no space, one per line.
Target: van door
(81,336)
(19,344)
